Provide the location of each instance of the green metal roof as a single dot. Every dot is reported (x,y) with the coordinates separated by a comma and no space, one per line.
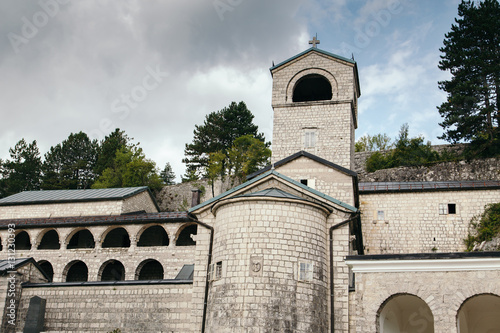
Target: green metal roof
(312,49)
(53,196)
(271,193)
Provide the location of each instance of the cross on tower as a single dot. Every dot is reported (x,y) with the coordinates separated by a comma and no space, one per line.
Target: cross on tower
(314,41)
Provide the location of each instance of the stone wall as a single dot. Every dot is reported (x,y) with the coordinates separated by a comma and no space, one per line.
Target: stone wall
(412,222)
(131,308)
(443,292)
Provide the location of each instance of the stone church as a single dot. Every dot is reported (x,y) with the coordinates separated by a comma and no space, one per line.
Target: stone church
(301,247)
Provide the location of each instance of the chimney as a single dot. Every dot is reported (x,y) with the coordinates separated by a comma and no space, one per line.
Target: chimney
(195,198)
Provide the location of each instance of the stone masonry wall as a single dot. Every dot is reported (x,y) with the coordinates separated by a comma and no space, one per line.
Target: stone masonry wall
(61,209)
(139,308)
(139,202)
(444,293)
(412,221)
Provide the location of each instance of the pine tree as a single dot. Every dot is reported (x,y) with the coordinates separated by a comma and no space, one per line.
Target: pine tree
(167,175)
(217,134)
(472,55)
(23,171)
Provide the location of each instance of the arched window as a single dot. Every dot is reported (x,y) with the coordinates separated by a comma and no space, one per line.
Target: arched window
(149,270)
(112,270)
(312,87)
(47,268)
(480,313)
(153,236)
(117,238)
(50,241)
(22,241)
(82,239)
(76,271)
(185,238)
(405,313)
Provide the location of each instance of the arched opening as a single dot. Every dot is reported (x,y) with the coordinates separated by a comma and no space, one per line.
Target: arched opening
(312,87)
(50,241)
(76,271)
(405,313)
(82,239)
(149,270)
(47,268)
(185,238)
(112,270)
(117,238)
(153,236)
(479,314)
(22,241)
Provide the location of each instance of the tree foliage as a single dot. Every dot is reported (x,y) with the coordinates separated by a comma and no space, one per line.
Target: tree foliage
(373,143)
(471,53)
(130,168)
(217,134)
(70,164)
(167,175)
(22,172)
(484,226)
(407,152)
(108,148)
(246,155)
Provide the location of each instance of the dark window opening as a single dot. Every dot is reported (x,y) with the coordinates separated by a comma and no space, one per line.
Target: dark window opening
(312,87)
(303,181)
(50,241)
(452,209)
(113,271)
(83,239)
(78,272)
(22,241)
(184,238)
(151,270)
(47,268)
(153,236)
(1,246)
(117,238)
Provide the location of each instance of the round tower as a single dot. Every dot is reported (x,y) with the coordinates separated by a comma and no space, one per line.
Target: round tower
(269,270)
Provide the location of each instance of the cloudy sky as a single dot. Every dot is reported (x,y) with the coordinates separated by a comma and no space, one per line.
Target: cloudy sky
(156,68)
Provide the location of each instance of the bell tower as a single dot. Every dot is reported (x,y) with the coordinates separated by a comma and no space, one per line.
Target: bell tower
(314,100)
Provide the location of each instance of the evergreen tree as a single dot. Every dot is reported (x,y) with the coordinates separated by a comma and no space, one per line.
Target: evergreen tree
(217,134)
(472,55)
(107,150)
(70,164)
(23,171)
(167,175)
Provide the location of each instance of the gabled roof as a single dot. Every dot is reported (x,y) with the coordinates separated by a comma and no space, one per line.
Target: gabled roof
(7,266)
(308,155)
(312,49)
(279,176)
(65,196)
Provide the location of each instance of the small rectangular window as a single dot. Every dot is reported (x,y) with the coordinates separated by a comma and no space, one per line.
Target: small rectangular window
(380,215)
(303,181)
(452,208)
(443,209)
(310,139)
(215,271)
(305,271)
